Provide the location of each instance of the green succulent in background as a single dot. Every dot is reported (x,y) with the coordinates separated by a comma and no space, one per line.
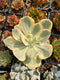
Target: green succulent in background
(3,77)
(5,58)
(29,42)
(56,49)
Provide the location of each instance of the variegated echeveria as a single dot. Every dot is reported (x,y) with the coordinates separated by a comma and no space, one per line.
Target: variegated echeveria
(29,41)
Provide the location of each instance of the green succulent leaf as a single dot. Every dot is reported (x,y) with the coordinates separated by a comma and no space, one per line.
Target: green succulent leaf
(24,39)
(16,34)
(12,43)
(44,50)
(36,29)
(17,26)
(46,24)
(20,53)
(25,23)
(32,63)
(44,35)
(31,51)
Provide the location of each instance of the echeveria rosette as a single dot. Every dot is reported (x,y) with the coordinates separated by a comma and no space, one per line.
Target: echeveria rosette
(56,49)
(29,42)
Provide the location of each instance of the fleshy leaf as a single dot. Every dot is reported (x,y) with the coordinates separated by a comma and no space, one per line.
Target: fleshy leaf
(17,26)
(20,53)
(24,39)
(12,43)
(44,35)
(46,24)
(25,24)
(32,63)
(44,49)
(31,51)
(16,34)
(36,29)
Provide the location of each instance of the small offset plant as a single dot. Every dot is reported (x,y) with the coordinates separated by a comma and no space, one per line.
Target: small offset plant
(56,21)
(56,49)
(2,18)
(39,2)
(21,72)
(5,58)
(58,3)
(29,41)
(17,4)
(36,14)
(12,20)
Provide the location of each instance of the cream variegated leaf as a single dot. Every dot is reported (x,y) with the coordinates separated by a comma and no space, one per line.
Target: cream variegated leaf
(36,30)
(25,24)
(46,24)
(17,26)
(20,53)
(24,39)
(16,34)
(44,35)
(31,51)
(33,62)
(11,43)
(44,50)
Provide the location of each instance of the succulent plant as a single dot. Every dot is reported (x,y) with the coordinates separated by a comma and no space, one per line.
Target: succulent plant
(3,3)
(21,72)
(56,49)
(36,14)
(2,18)
(56,21)
(12,20)
(17,4)
(39,2)
(29,41)
(54,74)
(5,58)
(3,77)
(58,3)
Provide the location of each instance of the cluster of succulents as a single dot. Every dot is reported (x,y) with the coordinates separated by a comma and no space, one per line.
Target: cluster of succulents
(17,4)
(56,21)
(5,58)
(12,20)
(39,2)
(56,49)
(58,3)
(21,72)
(36,14)
(30,43)
(3,3)
(54,74)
